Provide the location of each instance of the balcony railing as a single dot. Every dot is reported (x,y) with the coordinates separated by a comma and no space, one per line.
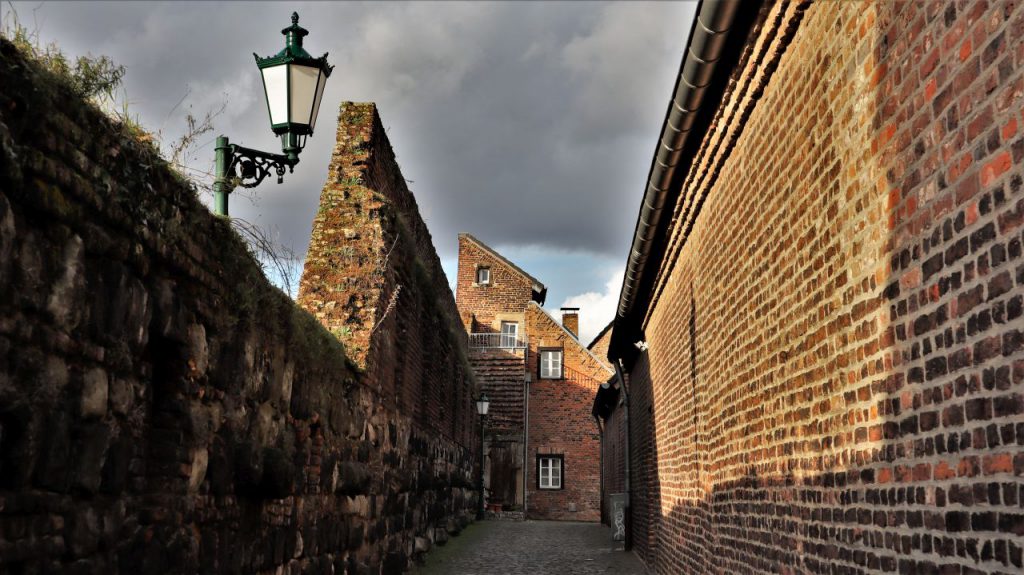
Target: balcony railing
(495,341)
(579,377)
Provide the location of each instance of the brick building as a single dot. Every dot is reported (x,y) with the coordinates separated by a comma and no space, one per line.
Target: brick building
(542,446)
(820,332)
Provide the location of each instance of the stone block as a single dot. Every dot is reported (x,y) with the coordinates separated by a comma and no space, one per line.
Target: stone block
(82,532)
(197,469)
(91,443)
(53,467)
(248,467)
(8,234)
(95,390)
(353,478)
(115,467)
(64,302)
(198,351)
(453,526)
(121,395)
(220,468)
(278,474)
(395,562)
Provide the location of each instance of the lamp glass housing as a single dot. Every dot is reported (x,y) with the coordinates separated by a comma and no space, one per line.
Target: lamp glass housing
(293,84)
(483,405)
(293,93)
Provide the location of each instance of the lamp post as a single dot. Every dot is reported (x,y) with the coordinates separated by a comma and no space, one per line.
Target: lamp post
(482,405)
(293,84)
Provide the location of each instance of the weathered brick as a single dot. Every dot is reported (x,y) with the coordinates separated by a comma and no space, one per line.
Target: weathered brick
(987,349)
(1007,405)
(999,285)
(978,409)
(754,429)
(982,236)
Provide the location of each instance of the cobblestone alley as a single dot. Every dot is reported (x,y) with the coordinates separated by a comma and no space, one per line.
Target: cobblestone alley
(533,548)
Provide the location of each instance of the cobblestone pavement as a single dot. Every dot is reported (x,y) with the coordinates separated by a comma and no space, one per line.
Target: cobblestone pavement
(531,548)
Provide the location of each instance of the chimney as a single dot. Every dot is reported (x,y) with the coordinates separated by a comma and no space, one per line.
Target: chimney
(571,320)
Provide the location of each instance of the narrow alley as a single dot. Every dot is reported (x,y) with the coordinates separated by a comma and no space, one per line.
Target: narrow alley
(531,548)
(789,341)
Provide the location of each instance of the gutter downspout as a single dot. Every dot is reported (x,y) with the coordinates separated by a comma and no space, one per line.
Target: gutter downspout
(526,428)
(600,466)
(705,45)
(628,543)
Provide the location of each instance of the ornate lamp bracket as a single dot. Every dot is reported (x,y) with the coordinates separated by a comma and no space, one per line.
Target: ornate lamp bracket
(248,167)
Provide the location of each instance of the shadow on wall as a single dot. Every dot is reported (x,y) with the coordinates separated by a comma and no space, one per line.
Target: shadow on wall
(856,401)
(162,405)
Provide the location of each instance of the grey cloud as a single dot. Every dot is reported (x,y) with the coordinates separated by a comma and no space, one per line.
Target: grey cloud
(525,123)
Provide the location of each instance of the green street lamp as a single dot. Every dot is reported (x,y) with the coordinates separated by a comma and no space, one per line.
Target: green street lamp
(483,405)
(293,83)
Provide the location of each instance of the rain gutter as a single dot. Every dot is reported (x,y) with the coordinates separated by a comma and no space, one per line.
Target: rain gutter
(700,85)
(627,484)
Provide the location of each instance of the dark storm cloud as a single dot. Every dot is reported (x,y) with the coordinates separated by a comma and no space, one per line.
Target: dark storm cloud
(525,123)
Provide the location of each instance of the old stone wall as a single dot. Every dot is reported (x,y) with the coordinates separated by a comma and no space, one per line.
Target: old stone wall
(834,377)
(163,408)
(561,423)
(372,277)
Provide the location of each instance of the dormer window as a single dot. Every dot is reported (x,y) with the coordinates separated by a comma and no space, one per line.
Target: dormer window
(483,276)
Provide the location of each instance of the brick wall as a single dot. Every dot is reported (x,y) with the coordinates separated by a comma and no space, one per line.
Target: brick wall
(163,408)
(571,322)
(372,277)
(613,459)
(480,305)
(599,346)
(561,423)
(834,379)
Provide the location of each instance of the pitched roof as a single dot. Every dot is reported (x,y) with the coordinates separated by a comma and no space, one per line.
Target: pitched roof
(602,362)
(600,334)
(537,286)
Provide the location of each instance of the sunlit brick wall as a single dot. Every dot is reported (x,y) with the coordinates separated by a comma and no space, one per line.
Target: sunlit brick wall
(480,305)
(834,379)
(561,423)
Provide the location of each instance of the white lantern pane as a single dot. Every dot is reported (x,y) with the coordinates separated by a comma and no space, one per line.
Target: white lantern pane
(303,87)
(275,85)
(321,82)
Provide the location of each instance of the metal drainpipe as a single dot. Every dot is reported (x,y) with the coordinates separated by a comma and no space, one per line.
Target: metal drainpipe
(526,428)
(706,42)
(628,543)
(600,463)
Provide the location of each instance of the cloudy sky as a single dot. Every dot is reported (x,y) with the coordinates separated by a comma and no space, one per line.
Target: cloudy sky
(528,124)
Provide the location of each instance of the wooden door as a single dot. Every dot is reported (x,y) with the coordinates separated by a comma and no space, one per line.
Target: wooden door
(503,474)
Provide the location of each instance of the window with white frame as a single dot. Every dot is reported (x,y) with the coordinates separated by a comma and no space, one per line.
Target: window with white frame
(549,471)
(509,334)
(483,275)
(551,364)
